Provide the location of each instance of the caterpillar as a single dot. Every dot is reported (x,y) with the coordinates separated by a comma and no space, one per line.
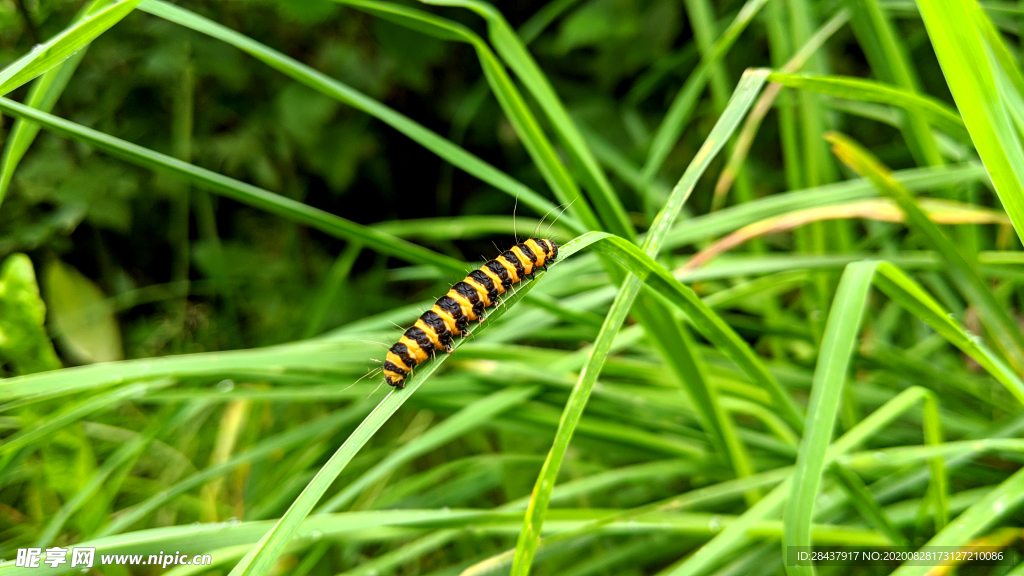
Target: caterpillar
(465,302)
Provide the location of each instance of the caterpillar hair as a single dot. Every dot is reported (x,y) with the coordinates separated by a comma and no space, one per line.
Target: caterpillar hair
(465,303)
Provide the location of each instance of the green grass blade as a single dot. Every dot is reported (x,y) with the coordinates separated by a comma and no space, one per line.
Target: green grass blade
(55,50)
(731,218)
(467,419)
(328,86)
(651,194)
(866,504)
(237,190)
(129,454)
(902,289)
(515,54)
(746,91)
(671,391)
(939,478)
(44,95)
(469,227)
(332,283)
(898,457)
(745,138)
(735,535)
(537,510)
(970,74)
(662,284)
(263,449)
(126,453)
(76,411)
(721,492)
(526,547)
(841,332)
(701,14)
(676,345)
(686,100)
(261,559)
(995,505)
(888,58)
(511,101)
(382,525)
(938,114)
(643,268)
(213,536)
(1006,334)
(1007,61)
(311,356)
(582,487)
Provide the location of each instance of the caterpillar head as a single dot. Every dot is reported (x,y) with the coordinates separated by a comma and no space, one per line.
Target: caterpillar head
(554,249)
(551,249)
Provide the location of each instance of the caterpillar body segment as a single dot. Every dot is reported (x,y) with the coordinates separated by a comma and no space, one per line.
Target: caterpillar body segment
(465,303)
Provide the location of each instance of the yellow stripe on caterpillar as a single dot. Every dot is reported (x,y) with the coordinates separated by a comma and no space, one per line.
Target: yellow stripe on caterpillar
(539,252)
(397,361)
(480,290)
(449,322)
(494,278)
(466,305)
(510,267)
(431,335)
(526,262)
(418,354)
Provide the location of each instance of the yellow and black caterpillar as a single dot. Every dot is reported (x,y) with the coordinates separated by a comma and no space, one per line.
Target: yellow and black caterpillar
(465,302)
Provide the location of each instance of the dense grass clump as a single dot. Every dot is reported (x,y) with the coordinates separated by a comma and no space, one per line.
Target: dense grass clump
(786,310)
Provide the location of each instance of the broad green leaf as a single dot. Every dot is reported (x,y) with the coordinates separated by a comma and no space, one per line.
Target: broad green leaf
(81,316)
(24,343)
